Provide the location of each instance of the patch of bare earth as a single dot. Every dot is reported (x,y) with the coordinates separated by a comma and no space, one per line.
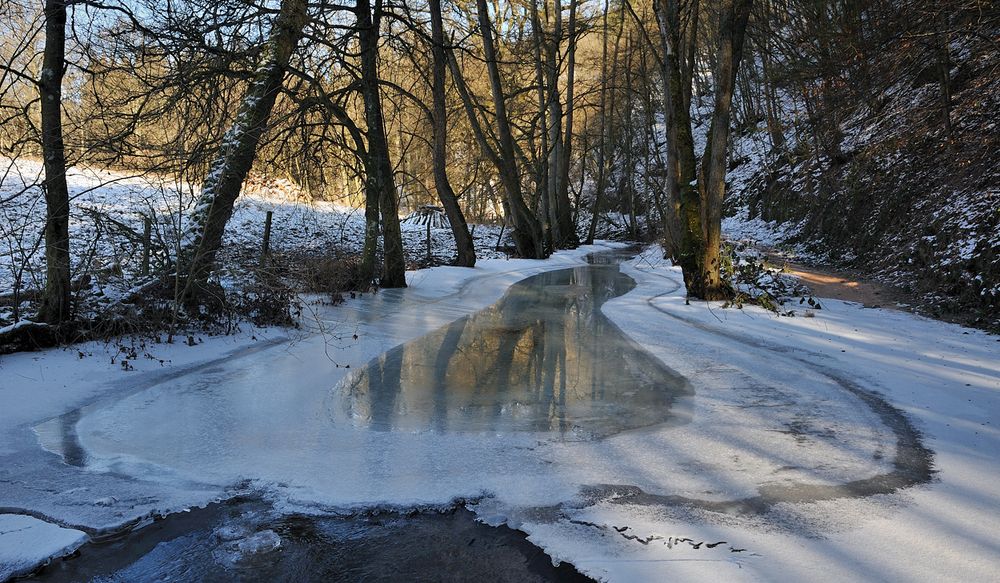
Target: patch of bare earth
(847,286)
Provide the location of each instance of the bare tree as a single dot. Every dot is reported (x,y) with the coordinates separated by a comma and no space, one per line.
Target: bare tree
(528,236)
(567,155)
(694,216)
(560,215)
(238,149)
(712,184)
(380,175)
(459,228)
(55,307)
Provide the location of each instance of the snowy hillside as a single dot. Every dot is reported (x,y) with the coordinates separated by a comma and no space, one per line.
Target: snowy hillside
(901,201)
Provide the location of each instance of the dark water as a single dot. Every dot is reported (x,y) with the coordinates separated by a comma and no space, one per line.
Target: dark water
(543,358)
(247,541)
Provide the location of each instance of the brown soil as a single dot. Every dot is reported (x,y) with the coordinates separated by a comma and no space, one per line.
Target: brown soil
(847,286)
(851,286)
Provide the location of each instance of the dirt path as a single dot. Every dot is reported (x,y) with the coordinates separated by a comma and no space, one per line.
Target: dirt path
(844,285)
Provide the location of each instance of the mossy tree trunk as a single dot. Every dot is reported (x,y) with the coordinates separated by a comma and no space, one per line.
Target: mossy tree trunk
(713,181)
(694,213)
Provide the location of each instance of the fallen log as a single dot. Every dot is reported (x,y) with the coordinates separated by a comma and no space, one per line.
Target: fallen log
(27,335)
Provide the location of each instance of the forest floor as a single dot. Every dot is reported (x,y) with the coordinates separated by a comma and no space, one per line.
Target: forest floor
(849,444)
(841,284)
(853,286)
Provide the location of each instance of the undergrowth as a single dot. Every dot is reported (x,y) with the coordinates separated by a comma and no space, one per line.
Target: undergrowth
(754,282)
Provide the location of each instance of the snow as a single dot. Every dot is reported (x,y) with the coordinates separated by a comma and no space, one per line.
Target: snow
(27,542)
(945,378)
(931,229)
(785,412)
(16,326)
(765,233)
(108,210)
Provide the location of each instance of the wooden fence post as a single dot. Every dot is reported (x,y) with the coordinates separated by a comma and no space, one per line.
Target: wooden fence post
(147,235)
(429,255)
(266,247)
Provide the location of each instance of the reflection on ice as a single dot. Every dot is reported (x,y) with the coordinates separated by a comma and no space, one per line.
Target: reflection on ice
(541,367)
(544,358)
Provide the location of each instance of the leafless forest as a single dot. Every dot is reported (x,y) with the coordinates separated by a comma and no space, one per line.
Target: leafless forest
(867,124)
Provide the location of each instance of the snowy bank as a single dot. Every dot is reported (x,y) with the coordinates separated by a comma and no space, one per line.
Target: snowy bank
(26,543)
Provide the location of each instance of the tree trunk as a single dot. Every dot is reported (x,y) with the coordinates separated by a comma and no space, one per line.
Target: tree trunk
(542,172)
(694,224)
(55,307)
(527,232)
(459,228)
(771,104)
(690,64)
(628,172)
(571,238)
(554,119)
(369,252)
(380,178)
(683,222)
(602,145)
(731,32)
(560,216)
(221,187)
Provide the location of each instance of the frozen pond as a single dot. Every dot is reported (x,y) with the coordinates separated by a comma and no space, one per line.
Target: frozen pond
(544,359)
(542,363)
(511,393)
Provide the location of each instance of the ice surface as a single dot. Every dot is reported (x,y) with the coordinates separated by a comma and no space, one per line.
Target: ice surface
(295,420)
(26,542)
(544,358)
(261,542)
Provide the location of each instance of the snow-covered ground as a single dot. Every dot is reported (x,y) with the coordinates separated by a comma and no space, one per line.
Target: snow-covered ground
(945,380)
(107,214)
(800,456)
